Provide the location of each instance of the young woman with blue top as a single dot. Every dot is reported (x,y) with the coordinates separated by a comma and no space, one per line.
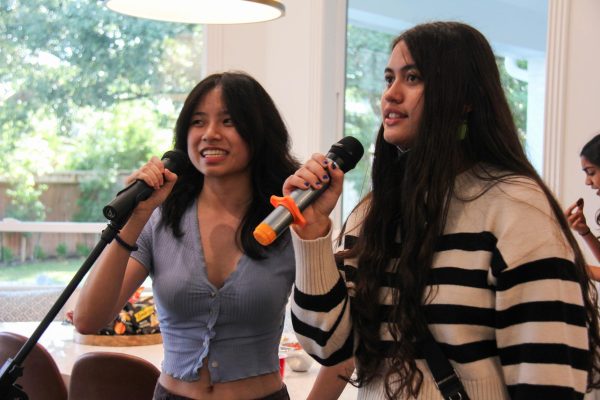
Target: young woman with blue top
(220,296)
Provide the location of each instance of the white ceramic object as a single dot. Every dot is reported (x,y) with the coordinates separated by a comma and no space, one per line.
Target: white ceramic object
(298,360)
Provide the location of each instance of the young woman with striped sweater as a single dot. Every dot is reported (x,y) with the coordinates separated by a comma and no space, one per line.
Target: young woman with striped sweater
(459,236)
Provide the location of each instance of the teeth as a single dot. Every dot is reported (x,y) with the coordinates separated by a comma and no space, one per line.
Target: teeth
(213,152)
(393,115)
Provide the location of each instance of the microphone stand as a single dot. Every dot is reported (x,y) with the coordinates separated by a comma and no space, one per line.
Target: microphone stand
(12,368)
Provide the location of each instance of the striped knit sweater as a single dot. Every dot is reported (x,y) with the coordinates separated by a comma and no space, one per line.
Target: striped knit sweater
(506,306)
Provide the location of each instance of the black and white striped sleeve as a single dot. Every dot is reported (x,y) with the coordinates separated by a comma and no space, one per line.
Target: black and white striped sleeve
(320,305)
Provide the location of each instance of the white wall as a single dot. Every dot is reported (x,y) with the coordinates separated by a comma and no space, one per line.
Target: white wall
(299,59)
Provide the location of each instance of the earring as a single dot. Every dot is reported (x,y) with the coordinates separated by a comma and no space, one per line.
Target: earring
(463,129)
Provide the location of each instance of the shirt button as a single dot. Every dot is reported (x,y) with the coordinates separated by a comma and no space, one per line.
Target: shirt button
(214,364)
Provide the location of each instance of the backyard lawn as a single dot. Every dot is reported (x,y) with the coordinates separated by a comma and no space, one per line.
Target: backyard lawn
(51,272)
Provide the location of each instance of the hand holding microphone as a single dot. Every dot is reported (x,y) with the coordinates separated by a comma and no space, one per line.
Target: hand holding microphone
(151,177)
(316,222)
(321,176)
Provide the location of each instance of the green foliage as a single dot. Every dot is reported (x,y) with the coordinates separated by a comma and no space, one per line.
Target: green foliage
(110,142)
(6,254)
(516,94)
(82,249)
(39,253)
(61,250)
(61,55)
(367,55)
(25,204)
(32,155)
(83,87)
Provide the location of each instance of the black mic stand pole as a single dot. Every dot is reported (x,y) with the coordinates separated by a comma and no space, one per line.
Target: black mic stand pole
(12,368)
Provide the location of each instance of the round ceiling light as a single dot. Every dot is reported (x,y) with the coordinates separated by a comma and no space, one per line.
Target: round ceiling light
(201,11)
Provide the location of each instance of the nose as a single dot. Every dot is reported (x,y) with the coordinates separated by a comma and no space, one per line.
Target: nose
(212,133)
(394,93)
(588,180)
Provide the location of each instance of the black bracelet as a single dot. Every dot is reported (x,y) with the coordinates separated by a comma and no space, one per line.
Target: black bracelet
(587,233)
(125,245)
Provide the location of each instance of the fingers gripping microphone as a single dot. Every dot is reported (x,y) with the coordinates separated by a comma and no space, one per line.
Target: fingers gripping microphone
(128,198)
(345,153)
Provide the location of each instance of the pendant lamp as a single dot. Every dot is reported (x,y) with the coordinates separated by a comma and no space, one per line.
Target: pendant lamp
(201,11)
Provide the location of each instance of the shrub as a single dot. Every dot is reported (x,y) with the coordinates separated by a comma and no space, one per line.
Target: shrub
(61,250)
(6,254)
(39,253)
(82,249)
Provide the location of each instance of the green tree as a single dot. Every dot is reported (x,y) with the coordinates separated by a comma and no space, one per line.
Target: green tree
(107,156)
(366,58)
(69,67)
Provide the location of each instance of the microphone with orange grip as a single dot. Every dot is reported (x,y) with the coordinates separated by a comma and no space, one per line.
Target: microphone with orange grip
(288,209)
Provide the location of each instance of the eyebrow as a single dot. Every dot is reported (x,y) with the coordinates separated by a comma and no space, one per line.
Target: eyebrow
(405,68)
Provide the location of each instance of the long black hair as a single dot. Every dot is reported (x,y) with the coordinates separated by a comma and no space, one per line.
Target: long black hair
(591,150)
(411,194)
(260,125)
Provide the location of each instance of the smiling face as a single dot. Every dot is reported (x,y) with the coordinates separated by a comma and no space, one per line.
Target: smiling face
(402,99)
(592,174)
(214,145)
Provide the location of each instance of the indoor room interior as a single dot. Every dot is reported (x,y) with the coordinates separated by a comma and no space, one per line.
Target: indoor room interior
(303,59)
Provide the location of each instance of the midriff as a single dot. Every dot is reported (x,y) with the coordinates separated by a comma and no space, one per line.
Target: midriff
(203,389)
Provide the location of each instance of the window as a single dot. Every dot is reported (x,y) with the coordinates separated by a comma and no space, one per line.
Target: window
(520,54)
(86,96)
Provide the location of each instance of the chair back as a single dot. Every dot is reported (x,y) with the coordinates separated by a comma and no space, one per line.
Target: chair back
(109,375)
(41,378)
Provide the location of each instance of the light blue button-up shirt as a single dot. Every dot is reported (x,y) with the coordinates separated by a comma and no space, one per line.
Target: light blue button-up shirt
(236,329)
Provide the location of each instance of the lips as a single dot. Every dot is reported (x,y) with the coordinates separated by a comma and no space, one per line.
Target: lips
(212,152)
(393,117)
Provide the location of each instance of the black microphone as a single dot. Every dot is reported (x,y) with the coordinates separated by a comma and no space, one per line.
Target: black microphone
(128,198)
(346,153)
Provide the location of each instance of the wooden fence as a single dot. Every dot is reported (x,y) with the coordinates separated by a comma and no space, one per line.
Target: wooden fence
(27,240)
(29,237)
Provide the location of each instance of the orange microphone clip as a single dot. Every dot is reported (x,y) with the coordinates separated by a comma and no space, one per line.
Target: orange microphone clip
(264,233)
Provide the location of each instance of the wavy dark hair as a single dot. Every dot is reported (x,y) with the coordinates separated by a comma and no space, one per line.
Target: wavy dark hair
(260,125)
(461,84)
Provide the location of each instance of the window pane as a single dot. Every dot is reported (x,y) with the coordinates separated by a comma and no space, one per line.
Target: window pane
(86,96)
(520,49)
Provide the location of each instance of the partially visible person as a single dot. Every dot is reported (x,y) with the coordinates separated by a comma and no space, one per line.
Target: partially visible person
(590,164)
(220,296)
(459,237)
